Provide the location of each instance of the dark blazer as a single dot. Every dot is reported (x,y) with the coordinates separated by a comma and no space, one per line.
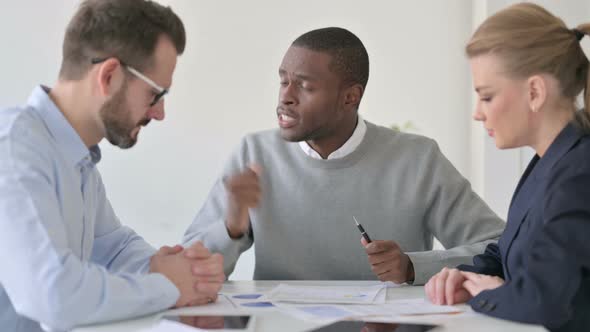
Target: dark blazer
(544,253)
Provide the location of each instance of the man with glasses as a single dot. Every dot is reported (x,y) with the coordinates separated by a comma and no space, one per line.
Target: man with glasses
(66,259)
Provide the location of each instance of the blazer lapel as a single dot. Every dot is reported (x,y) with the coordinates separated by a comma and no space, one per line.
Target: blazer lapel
(528,188)
(519,208)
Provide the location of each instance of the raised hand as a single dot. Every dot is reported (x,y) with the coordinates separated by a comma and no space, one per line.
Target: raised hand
(243,192)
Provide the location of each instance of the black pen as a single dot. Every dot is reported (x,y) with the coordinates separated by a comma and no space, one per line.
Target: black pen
(362,230)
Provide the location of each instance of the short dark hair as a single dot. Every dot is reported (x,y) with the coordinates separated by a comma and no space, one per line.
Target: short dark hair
(126,29)
(350,58)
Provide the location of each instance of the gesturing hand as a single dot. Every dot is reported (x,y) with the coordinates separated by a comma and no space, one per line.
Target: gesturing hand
(243,192)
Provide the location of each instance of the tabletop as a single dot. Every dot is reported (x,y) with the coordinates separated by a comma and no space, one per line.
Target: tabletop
(274,320)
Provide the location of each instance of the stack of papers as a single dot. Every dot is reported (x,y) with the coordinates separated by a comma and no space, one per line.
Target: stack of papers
(318,304)
(392,310)
(335,294)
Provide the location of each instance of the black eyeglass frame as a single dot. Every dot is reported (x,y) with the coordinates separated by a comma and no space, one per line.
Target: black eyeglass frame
(161,91)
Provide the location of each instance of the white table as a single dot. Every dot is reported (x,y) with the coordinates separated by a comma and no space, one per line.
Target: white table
(272,320)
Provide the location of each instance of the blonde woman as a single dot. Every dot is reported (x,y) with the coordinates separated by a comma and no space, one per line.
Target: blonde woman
(528,69)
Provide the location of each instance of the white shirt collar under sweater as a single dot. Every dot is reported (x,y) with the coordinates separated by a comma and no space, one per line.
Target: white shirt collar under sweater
(348,147)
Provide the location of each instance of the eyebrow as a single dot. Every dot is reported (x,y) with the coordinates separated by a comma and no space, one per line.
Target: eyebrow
(479,88)
(301,76)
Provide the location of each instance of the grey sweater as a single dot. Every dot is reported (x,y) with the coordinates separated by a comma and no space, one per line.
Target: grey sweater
(399,186)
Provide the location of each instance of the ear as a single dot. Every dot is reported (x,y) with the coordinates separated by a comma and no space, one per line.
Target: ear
(353,95)
(110,76)
(536,92)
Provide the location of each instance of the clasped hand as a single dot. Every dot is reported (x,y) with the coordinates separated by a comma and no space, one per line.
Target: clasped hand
(195,271)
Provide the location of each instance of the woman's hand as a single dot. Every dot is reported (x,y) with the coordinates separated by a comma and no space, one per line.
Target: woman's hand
(476,283)
(446,287)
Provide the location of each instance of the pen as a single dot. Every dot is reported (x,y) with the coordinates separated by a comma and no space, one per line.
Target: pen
(362,230)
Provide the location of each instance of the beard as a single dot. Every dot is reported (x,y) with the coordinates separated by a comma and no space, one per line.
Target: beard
(116,118)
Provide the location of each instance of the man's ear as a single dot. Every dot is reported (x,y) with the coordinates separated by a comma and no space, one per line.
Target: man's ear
(353,95)
(536,92)
(110,76)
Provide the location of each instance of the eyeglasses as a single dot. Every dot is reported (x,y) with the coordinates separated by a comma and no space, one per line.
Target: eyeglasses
(160,90)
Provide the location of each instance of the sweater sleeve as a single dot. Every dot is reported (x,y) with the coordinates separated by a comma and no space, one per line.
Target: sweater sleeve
(209,224)
(455,215)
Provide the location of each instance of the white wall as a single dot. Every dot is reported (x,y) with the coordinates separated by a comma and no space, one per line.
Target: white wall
(226,85)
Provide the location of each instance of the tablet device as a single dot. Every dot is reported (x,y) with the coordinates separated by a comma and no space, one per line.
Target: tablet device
(220,323)
(357,326)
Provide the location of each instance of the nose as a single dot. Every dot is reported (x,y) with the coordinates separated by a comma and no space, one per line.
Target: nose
(478,115)
(157,111)
(286,95)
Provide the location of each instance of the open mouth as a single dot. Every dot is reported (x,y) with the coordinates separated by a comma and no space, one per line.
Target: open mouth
(286,118)
(286,121)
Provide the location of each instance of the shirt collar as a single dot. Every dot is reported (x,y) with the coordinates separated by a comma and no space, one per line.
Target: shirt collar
(347,148)
(67,139)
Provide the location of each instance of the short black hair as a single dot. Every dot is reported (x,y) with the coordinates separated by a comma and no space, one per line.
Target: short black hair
(350,58)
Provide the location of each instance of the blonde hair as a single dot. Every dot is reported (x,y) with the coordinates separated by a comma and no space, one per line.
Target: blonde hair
(530,40)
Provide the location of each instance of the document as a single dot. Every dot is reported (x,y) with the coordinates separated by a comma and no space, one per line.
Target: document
(222,306)
(327,294)
(407,307)
(383,312)
(316,313)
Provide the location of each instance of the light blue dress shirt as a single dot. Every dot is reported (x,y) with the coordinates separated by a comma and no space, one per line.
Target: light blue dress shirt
(65,259)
